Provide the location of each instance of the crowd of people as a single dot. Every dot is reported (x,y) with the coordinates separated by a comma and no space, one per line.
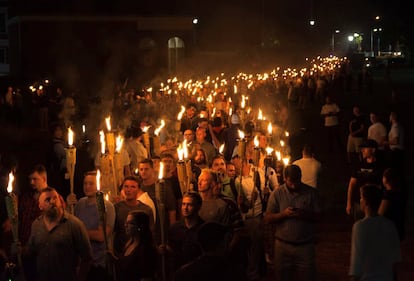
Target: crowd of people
(243,210)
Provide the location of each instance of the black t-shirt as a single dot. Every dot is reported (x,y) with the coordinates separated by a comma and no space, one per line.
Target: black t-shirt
(356,123)
(367,173)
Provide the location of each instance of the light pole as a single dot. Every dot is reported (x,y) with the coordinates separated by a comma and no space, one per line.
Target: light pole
(377,18)
(195,22)
(333,40)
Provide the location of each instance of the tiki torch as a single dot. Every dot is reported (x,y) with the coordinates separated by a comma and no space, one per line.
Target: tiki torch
(71,162)
(241,151)
(160,196)
(12,212)
(146,139)
(178,122)
(100,203)
(188,167)
(118,165)
(181,170)
(11,205)
(156,138)
(110,137)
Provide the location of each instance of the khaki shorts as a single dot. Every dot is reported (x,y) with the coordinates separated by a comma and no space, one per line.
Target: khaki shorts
(353,144)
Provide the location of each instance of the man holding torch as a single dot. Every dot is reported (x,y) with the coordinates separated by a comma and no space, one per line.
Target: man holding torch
(86,210)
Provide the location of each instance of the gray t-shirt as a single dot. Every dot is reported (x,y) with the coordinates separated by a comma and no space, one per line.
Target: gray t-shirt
(293,229)
(89,215)
(57,251)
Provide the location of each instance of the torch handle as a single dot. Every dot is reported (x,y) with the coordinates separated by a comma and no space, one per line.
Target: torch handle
(114,175)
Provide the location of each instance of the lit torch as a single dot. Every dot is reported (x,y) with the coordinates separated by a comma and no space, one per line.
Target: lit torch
(179,116)
(11,205)
(13,215)
(100,203)
(160,196)
(110,138)
(146,139)
(71,162)
(181,169)
(156,139)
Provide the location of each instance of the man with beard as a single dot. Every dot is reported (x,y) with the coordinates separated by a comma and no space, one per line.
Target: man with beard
(294,207)
(59,242)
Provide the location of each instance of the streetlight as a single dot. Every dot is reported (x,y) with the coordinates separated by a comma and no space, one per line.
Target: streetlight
(375,30)
(377,18)
(358,39)
(333,40)
(195,22)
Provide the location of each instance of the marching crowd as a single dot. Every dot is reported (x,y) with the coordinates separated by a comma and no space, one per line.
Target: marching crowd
(244,210)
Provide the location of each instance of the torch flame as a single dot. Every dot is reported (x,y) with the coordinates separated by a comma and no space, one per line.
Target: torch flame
(10,185)
(145,129)
(119,143)
(278,154)
(256,141)
(243,102)
(98,180)
(160,174)
(221,148)
(269,128)
(83,128)
(185,149)
(214,112)
(241,134)
(108,123)
(180,114)
(102,139)
(180,153)
(158,130)
(260,115)
(70,136)
(286,160)
(269,150)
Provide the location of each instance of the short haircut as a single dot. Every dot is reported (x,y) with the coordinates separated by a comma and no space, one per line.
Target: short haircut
(307,149)
(195,196)
(155,157)
(147,161)
(90,173)
(167,155)
(48,189)
(218,156)
(215,177)
(132,178)
(191,104)
(293,172)
(372,195)
(39,168)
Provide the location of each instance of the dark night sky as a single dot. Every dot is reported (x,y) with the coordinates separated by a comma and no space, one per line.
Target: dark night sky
(234,23)
(282,27)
